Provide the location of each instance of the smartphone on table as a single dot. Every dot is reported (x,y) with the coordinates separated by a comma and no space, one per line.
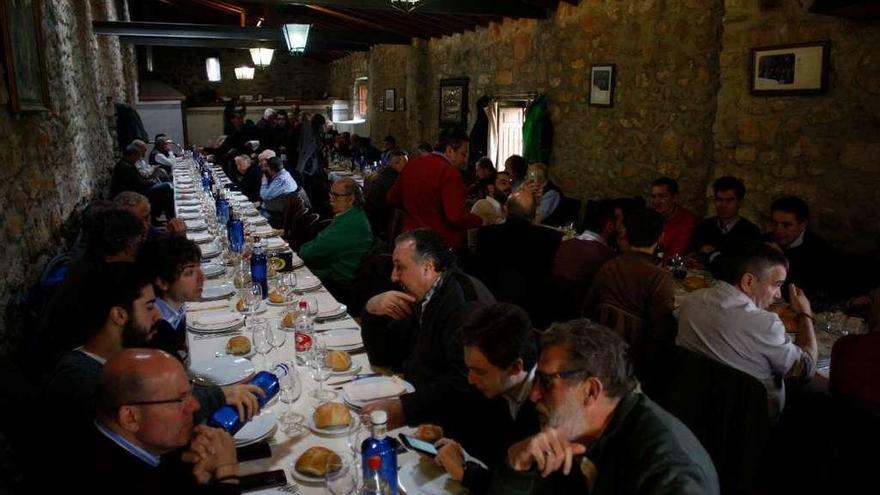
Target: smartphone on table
(260,481)
(420,446)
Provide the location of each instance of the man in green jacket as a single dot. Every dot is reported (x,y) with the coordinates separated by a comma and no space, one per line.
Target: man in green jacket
(337,252)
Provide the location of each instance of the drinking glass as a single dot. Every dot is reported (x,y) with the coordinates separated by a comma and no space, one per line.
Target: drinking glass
(312,304)
(342,481)
(360,430)
(262,342)
(277,336)
(254,296)
(320,371)
(291,389)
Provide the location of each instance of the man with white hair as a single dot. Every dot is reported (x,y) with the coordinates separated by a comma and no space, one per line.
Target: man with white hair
(139,206)
(250,177)
(266,128)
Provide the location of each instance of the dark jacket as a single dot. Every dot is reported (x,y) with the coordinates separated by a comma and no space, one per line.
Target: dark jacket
(127,178)
(709,232)
(250,183)
(376,203)
(426,346)
(813,266)
(113,470)
(644,450)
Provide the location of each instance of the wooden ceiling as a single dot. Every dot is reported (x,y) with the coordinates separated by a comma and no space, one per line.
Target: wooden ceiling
(339,27)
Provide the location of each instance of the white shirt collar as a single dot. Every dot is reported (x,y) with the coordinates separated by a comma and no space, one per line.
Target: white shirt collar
(589,235)
(522,395)
(797,242)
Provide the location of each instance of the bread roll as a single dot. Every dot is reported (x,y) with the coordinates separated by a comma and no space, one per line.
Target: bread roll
(238,345)
(332,414)
(288,320)
(318,461)
(240,305)
(429,433)
(276,297)
(339,360)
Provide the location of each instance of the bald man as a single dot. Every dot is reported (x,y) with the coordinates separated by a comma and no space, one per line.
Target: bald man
(514,259)
(337,252)
(144,438)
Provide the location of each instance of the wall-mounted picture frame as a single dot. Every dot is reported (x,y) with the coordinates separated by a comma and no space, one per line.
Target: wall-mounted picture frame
(382,104)
(454,102)
(401,104)
(390,99)
(602,80)
(25,54)
(797,69)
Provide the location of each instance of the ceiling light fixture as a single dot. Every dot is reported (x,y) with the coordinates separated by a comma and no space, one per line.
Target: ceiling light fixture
(262,57)
(296,36)
(244,72)
(406,5)
(212,66)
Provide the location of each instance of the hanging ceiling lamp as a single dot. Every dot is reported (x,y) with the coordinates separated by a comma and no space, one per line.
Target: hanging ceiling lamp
(212,66)
(262,57)
(406,5)
(244,72)
(296,36)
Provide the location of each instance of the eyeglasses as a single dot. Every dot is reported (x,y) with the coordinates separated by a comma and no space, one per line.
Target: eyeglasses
(545,380)
(180,401)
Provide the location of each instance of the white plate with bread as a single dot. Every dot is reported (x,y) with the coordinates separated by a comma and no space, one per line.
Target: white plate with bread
(312,465)
(331,419)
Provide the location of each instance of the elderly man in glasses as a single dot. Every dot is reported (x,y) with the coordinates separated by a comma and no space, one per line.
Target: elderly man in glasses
(143,423)
(601,432)
(336,253)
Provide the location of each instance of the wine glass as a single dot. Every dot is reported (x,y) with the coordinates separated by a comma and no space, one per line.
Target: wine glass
(254,296)
(291,389)
(312,304)
(259,338)
(360,430)
(277,336)
(342,481)
(320,371)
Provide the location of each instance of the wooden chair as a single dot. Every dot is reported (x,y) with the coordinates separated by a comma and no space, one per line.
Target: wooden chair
(293,212)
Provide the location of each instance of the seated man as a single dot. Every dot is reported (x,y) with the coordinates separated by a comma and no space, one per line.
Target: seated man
(729,322)
(162,155)
(548,194)
(514,258)
(599,432)
(578,260)
(126,177)
(500,350)
(336,253)
(176,272)
(251,177)
(138,205)
(726,229)
(120,312)
(679,222)
(812,263)
(416,331)
(144,423)
(277,185)
(376,204)
(634,296)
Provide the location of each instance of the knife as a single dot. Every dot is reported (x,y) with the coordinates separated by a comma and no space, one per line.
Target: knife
(354,378)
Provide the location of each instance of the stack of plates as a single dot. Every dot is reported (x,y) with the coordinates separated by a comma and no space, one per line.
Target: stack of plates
(217,290)
(212,270)
(209,250)
(223,370)
(215,322)
(359,402)
(258,220)
(191,215)
(330,313)
(342,339)
(258,428)
(195,225)
(305,283)
(200,237)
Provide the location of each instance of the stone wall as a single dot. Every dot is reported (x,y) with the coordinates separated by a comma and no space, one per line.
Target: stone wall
(343,73)
(823,148)
(291,77)
(388,71)
(55,162)
(681,106)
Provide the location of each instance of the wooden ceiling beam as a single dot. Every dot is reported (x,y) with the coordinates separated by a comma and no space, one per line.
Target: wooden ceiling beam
(507,8)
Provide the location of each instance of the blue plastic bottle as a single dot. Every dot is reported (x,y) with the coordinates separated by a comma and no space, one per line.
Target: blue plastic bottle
(259,267)
(383,446)
(227,416)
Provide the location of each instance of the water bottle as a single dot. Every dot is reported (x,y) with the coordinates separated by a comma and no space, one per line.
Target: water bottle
(259,267)
(227,416)
(303,328)
(206,181)
(235,230)
(222,209)
(374,484)
(382,446)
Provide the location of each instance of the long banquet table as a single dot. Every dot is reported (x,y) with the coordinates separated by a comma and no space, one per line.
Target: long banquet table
(286,444)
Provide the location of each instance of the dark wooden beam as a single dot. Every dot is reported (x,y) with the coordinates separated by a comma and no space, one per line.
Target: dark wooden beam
(507,8)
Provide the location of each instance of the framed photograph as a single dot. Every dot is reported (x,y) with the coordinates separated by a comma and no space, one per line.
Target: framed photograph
(382,104)
(454,102)
(390,99)
(25,54)
(602,80)
(401,104)
(798,69)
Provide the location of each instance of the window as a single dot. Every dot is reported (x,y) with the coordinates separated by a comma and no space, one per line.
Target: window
(360,97)
(510,135)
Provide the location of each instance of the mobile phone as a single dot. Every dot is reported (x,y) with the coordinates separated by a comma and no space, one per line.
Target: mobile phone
(418,445)
(259,450)
(260,481)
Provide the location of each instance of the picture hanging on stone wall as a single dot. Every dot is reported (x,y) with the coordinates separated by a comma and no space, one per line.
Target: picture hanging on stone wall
(790,70)
(389,100)
(401,104)
(25,54)
(381,104)
(602,80)
(454,102)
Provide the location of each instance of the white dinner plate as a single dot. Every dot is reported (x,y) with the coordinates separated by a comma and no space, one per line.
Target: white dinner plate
(263,230)
(188,202)
(357,404)
(189,209)
(212,270)
(191,215)
(258,220)
(216,290)
(307,478)
(330,313)
(419,477)
(195,225)
(330,432)
(342,339)
(251,212)
(215,321)
(200,237)
(274,243)
(209,250)
(306,282)
(223,370)
(258,428)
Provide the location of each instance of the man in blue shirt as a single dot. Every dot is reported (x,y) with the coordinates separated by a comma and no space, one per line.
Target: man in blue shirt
(277,185)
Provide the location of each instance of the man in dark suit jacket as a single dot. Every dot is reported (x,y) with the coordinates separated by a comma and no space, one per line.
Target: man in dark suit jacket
(727,230)
(142,432)
(416,331)
(514,259)
(126,177)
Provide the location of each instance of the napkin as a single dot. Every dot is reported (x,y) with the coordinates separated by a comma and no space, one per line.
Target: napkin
(216,319)
(342,339)
(205,306)
(365,391)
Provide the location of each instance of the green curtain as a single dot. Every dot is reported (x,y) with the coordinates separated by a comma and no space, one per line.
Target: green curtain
(537,132)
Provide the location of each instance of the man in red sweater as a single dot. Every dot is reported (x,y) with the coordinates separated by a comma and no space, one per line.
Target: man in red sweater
(431,192)
(679,221)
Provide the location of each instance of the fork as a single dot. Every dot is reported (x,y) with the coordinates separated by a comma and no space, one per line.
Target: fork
(291,488)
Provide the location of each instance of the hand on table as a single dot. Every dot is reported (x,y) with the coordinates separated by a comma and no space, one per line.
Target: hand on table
(244,399)
(393,303)
(549,449)
(392,407)
(450,456)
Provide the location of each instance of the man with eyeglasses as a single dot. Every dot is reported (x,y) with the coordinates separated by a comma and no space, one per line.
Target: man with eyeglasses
(144,421)
(604,435)
(336,253)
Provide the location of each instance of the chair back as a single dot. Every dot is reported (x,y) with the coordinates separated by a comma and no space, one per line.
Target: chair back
(276,207)
(293,211)
(855,370)
(726,410)
(372,277)
(303,230)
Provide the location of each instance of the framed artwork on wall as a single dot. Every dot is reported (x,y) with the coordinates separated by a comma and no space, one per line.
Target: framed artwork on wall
(602,81)
(454,102)
(790,70)
(25,54)
(390,99)
(382,104)
(401,104)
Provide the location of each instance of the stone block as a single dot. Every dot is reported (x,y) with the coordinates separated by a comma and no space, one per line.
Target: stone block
(504,78)
(692,149)
(748,130)
(861,156)
(746,154)
(669,144)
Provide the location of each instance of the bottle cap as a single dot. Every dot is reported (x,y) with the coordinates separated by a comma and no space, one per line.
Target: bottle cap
(374,462)
(303,304)
(379,417)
